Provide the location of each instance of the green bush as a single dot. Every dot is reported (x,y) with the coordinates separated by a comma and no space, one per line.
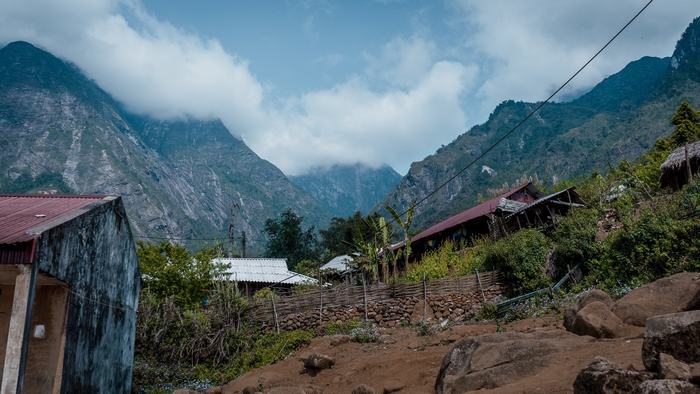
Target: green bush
(171,271)
(448,261)
(575,239)
(521,259)
(342,327)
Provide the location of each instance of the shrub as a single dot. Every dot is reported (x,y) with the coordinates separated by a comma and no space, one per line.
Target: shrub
(488,311)
(521,259)
(575,238)
(171,271)
(342,327)
(447,260)
(364,334)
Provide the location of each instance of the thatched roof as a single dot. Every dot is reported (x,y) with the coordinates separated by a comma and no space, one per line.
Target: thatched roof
(676,160)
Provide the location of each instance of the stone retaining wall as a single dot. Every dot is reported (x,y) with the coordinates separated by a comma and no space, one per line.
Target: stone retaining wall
(394,312)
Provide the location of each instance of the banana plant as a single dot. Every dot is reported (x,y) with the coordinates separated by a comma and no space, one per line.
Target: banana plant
(405,227)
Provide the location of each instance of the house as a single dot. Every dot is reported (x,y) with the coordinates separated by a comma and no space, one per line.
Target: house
(69,287)
(253,274)
(339,269)
(674,171)
(521,207)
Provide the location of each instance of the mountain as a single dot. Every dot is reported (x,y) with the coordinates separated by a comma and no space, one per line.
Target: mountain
(62,133)
(346,189)
(619,118)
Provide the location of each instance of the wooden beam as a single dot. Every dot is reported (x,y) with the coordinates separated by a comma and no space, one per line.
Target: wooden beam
(18,334)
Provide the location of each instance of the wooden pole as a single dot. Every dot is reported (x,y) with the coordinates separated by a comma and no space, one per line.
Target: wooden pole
(364,296)
(425,299)
(478,281)
(320,299)
(687,163)
(274,311)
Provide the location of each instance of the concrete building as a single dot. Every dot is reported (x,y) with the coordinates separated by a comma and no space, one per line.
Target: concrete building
(69,286)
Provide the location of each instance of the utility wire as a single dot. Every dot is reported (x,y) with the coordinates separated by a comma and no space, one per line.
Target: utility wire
(525,119)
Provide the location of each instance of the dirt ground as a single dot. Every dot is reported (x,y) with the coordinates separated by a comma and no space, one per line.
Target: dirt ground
(411,363)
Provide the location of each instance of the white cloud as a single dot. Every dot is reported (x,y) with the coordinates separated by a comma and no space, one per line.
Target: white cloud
(158,69)
(531,47)
(403,61)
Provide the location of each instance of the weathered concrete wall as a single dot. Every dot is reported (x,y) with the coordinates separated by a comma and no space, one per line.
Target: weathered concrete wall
(95,255)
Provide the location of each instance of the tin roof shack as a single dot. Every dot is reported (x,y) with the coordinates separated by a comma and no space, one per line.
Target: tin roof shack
(674,171)
(69,286)
(253,274)
(521,207)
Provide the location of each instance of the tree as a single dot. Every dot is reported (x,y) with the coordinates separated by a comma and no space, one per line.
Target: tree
(171,271)
(341,235)
(286,238)
(687,122)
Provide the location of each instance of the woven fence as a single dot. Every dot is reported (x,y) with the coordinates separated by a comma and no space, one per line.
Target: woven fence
(353,295)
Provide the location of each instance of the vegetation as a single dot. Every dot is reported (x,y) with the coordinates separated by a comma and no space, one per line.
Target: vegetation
(170,271)
(287,238)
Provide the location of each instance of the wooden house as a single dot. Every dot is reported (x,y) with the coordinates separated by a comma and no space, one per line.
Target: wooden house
(674,171)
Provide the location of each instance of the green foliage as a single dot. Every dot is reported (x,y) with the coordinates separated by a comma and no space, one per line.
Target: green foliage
(687,124)
(340,236)
(448,261)
(171,271)
(286,238)
(342,327)
(424,328)
(521,259)
(575,239)
(25,183)
(308,267)
(488,311)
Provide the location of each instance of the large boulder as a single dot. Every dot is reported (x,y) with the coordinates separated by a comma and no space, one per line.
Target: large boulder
(494,360)
(318,361)
(604,377)
(421,310)
(676,293)
(670,368)
(676,334)
(593,295)
(666,386)
(597,320)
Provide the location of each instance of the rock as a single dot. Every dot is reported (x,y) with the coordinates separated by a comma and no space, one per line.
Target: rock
(318,361)
(676,293)
(339,339)
(492,360)
(569,317)
(250,390)
(670,368)
(666,386)
(597,320)
(363,389)
(594,295)
(604,377)
(417,313)
(392,386)
(676,334)
(213,390)
(186,391)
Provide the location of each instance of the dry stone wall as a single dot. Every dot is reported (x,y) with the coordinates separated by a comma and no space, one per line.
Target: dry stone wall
(392,312)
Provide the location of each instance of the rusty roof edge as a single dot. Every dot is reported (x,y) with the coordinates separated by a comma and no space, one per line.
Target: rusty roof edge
(57,221)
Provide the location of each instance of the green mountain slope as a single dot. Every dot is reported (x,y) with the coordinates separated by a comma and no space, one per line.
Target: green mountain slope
(61,132)
(618,119)
(346,189)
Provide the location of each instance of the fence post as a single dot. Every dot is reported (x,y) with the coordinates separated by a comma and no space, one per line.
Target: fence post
(478,281)
(320,299)
(364,296)
(274,311)
(425,299)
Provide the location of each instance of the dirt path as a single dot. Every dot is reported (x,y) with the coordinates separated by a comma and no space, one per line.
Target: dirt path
(411,363)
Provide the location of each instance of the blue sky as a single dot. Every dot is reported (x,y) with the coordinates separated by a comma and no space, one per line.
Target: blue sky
(313,83)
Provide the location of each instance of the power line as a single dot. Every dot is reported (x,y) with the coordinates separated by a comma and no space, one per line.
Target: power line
(525,119)
(221,239)
(492,146)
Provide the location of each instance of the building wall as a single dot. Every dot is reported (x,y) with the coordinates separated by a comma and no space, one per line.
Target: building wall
(95,255)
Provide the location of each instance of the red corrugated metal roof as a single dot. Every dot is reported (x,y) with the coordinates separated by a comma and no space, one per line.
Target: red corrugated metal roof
(22,217)
(472,213)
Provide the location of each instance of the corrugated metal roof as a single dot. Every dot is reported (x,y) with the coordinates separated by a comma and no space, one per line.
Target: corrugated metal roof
(262,270)
(472,213)
(575,200)
(338,263)
(23,217)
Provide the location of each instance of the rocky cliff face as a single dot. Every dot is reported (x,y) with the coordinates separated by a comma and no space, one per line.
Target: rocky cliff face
(62,133)
(618,119)
(346,189)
